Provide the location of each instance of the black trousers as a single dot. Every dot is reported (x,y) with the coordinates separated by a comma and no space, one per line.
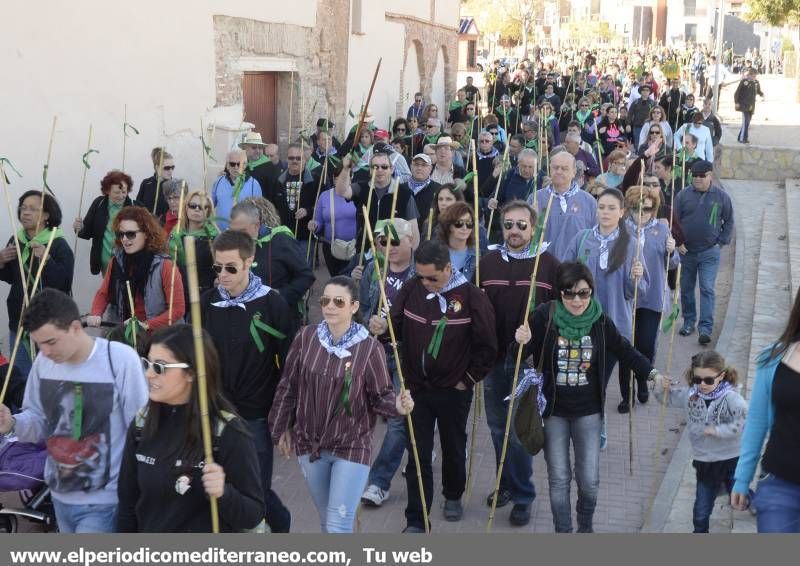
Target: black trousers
(335,266)
(645,341)
(450,409)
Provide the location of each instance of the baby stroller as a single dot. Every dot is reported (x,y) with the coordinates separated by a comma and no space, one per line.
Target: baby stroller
(22,470)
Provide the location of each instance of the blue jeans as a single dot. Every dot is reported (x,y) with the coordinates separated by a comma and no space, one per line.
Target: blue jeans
(744,131)
(584,432)
(703,265)
(85,518)
(705,495)
(390,456)
(777,505)
(336,486)
(23,360)
(518,465)
(276,514)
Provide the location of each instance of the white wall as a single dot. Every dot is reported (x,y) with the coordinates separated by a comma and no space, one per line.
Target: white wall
(437,85)
(411,79)
(84,62)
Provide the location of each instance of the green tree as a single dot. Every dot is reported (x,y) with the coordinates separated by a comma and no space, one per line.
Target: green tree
(512,19)
(773,12)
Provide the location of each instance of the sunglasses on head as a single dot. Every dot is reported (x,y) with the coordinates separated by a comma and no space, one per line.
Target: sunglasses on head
(583,294)
(159,368)
(232,269)
(383,239)
(521,224)
(462,223)
(195,206)
(338,302)
(697,380)
(127,234)
(168,167)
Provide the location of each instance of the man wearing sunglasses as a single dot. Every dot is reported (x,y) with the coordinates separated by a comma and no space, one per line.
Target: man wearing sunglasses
(380,205)
(401,270)
(259,166)
(505,277)
(296,193)
(252,328)
(446,328)
(423,187)
(82,394)
(228,190)
(706,216)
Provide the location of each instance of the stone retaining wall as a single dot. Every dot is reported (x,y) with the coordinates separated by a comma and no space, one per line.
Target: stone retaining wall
(757,163)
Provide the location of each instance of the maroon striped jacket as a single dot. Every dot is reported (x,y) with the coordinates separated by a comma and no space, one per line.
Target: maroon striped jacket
(308,396)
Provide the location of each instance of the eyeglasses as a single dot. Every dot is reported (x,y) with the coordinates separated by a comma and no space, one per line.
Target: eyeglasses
(462,223)
(294,158)
(521,224)
(29,209)
(643,208)
(652,184)
(235,163)
(338,302)
(583,294)
(232,269)
(168,167)
(383,167)
(383,239)
(127,235)
(430,278)
(159,368)
(697,380)
(493,132)
(699,175)
(195,206)
(655,133)
(431,125)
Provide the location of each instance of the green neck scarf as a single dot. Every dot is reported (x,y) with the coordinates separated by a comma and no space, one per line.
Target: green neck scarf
(176,239)
(277,230)
(574,327)
(582,115)
(41,238)
(260,161)
(455,105)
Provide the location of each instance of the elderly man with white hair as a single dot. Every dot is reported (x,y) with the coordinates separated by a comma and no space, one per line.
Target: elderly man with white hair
(572,209)
(572,145)
(228,189)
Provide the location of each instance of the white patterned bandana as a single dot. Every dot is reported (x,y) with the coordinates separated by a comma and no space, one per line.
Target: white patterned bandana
(527,253)
(642,233)
(456,279)
(355,334)
(718,391)
(604,242)
(562,198)
(255,289)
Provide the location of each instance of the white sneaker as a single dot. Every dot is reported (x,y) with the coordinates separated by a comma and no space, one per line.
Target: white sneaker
(374,496)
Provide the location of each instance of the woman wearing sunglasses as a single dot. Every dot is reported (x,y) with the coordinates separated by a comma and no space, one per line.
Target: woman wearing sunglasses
(655,148)
(198,222)
(657,118)
(573,344)
(334,384)
(715,413)
(97,224)
(609,251)
(164,485)
(140,260)
(457,230)
(658,255)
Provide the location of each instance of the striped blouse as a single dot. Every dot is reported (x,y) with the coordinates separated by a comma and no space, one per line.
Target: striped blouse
(308,398)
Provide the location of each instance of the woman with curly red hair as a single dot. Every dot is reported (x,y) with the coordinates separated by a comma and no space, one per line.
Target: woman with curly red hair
(140,259)
(96,225)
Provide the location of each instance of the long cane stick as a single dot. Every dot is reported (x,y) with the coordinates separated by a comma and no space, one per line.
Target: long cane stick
(133,311)
(44,189)
(18,339)
(385,302)
(476,223)
(83,190)
(369,205)
(205,155)
(175,256)
(631,384)
(199,354)
(430,221)
(323,178)
(528,302)
(497,187)
(385,275)
(360,124)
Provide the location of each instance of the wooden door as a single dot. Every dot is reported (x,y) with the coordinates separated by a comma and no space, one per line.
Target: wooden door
(260,103)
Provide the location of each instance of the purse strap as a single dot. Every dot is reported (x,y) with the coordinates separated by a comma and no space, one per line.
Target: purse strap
(546,332)
(333,218)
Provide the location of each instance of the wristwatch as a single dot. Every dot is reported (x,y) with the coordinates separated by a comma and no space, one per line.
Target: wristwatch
(13,429)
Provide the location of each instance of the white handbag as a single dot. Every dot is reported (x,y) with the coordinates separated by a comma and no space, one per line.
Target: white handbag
(340,249)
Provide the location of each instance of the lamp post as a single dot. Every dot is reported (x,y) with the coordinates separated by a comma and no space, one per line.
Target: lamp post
(720,44)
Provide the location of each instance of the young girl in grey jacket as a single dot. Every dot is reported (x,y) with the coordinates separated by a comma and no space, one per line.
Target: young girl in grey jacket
(716,414)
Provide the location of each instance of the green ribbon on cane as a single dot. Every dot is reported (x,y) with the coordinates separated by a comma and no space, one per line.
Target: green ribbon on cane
(77,413)
(44,179)
(207,148)
(131,328)
(85,158)
(8,162)
(666,326)
(256,325)
(127,125)
(344,396)
(380,262)
(436,340)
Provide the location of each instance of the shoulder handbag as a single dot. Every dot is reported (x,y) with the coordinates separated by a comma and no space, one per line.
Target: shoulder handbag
(528,423)
(340,249)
